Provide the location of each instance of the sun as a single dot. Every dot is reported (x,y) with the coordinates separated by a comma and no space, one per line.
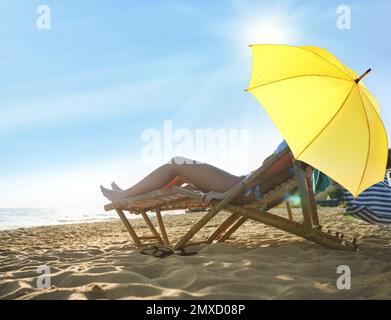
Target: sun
(264,25)
(265,32)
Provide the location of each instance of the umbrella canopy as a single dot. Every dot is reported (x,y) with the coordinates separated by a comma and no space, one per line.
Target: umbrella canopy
(323,110)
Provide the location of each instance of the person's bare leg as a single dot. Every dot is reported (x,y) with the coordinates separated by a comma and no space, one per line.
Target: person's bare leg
(203,176)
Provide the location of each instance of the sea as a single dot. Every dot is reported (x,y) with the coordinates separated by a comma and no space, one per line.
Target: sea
(13,218)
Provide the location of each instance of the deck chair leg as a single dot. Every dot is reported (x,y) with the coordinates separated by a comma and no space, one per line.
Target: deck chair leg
(232,229)
(312,203)
(223,227)
(128,227)
(200,223)
(288,208)
(152,228)
(304,197)
(162,228)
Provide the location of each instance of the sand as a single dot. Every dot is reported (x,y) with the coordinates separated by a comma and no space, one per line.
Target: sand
(98,261)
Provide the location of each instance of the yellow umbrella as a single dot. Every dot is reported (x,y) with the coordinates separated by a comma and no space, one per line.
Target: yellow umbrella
(325,113)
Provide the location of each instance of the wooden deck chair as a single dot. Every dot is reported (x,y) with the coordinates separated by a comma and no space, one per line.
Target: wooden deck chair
(182,198)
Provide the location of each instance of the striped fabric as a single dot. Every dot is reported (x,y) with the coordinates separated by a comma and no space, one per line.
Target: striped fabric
(281,147)
(373,205)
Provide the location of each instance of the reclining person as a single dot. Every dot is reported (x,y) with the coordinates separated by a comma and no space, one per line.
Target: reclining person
(212,181)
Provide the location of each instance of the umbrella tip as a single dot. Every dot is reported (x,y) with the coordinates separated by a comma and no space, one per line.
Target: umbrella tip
(363,75)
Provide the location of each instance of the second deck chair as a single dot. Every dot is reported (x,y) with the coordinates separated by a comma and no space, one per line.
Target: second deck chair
(182,198)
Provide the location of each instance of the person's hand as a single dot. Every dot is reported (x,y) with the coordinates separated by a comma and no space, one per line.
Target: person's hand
(212,195)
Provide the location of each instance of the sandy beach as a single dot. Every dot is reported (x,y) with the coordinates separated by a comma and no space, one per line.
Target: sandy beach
(98,261)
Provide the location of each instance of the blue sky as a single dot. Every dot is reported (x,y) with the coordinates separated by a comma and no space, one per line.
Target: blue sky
(76,99)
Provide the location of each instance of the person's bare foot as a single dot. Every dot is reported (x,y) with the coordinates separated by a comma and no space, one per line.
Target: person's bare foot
(115,187)
(112,195)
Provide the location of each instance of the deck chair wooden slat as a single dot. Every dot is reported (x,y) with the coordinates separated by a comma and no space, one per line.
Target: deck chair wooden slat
(172,202)
(182,198)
